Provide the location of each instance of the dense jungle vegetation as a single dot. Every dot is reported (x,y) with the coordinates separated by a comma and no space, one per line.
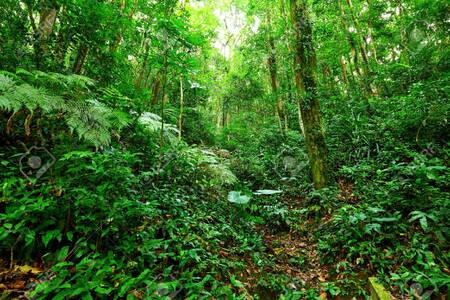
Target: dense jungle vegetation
(235,149)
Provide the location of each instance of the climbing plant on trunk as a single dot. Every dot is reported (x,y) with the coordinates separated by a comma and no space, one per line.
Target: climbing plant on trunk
(305,66)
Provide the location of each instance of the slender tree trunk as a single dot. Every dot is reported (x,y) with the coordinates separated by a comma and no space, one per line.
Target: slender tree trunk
(157,85)
(62,43)
(283,94)
(47,18)
(328,76)
(164,87)
(161,133)
(180,118)
(371,44)
(81,59)
(306,80)
(351,41)
(115,44)
(156,88)
(272,65)
(46,22)
(354,45)
(361,40)
(224,112)
(144,67)
(405,54)
(363,45)
(344,71)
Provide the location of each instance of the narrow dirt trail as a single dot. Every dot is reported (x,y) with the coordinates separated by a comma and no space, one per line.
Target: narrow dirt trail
(292,254)
(296,257)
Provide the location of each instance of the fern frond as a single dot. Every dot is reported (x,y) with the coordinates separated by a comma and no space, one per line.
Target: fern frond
(153,123)
(219,171)
(119,119)
(10,75)
(74,80)
(6,88)
(56,80)
(90,119)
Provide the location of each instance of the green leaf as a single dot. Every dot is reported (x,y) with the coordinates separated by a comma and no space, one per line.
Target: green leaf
(385,220)
(416,215)
(103,291)
(236,197)
(235,282)
(373,226)
(424,223)
(50,235)
(267,192)
(62,254)
(87,296)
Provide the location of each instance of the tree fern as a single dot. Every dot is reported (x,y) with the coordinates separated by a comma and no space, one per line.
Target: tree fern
(56,80)
(7,99)
(153,123)
(216,168)
(90,119)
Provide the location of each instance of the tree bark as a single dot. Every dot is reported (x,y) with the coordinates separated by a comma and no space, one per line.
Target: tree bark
(80,60)
(43,31)
(351,41)
(156,88)
(180,118)
(143,68)
(344,71)
(362,41)
(62,42)
(272,65)
(306,80)
(46,21)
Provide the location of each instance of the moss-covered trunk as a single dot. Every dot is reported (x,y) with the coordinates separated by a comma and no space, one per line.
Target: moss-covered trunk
(305,67)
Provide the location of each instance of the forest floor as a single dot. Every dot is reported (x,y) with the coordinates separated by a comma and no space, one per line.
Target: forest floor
(16,280)
(293,254)
(296,256)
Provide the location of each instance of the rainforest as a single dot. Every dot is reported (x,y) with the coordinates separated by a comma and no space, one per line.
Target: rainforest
(233,149)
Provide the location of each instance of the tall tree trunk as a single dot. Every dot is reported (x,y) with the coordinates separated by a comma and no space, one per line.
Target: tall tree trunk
(344,71)
(272,65)
(328,76)
(306,80)
(62,42)
(351,41)
(180,118)
(224,112)
(116,42)
(43,31)
(160,78)
(371,43)
(143,68)
(46,22)
(354,45)
(156,87)
(363,45)
(161,133)
(283,94)
(362,41)
(81,59)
